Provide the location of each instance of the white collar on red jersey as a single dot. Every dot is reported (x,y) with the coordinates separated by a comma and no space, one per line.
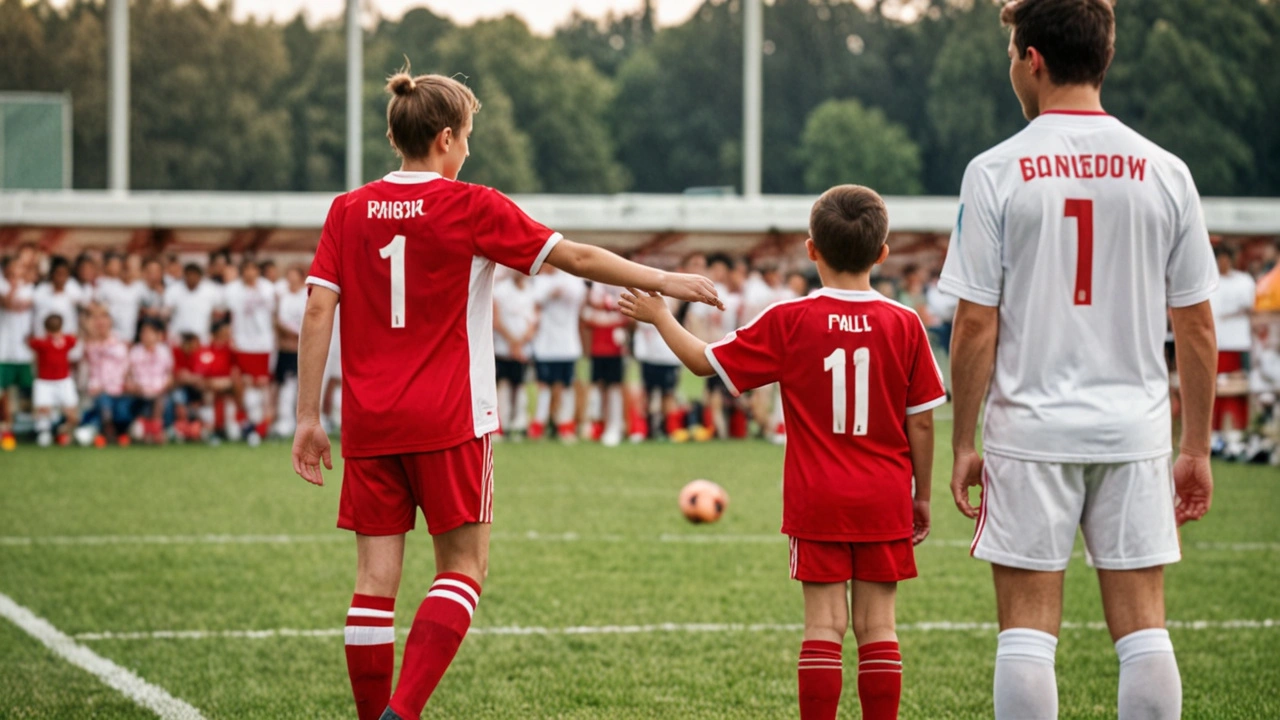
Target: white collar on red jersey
(856,295)
(400,177)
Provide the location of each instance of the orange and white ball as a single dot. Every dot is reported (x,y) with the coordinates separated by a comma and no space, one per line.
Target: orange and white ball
(703,501)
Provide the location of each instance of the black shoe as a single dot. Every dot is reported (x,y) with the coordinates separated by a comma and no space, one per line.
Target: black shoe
(389,714)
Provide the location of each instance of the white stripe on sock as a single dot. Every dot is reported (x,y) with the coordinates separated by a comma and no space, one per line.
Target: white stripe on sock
(451,595)
(448,582)
(369,635)
(880,662)
(370,613)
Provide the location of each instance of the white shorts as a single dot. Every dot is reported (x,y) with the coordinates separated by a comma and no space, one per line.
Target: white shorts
(1030,512)
(55,393)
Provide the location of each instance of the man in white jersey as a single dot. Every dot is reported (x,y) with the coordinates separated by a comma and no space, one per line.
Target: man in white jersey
(515,323)
(556,349)
(191,304)
(251,300)
(121,296)
(1074,237)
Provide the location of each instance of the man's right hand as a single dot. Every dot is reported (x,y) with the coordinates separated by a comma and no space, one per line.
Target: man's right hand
(1193,486)
(310,449)
(966,473)
(691,288)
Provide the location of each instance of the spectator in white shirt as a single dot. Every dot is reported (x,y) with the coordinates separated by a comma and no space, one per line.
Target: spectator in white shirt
(191,305)
(121,298)
(59,295)
(1232,305)
(251,300)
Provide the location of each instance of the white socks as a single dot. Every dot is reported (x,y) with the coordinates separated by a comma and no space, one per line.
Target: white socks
(1150,687)
(543,412)
(614,421)
(1025,685)
(568,409)
(504,406)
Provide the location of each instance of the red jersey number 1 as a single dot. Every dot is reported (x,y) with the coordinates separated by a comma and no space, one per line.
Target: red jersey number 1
(1082,211)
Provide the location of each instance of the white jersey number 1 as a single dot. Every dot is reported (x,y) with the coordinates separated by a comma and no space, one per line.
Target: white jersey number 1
(835,364)
(395,251)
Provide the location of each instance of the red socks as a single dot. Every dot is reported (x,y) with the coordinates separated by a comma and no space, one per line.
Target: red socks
(371,652)
(879,680)
(821,675)
(442,621)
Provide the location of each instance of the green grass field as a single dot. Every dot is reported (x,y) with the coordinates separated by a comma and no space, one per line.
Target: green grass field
(225,540)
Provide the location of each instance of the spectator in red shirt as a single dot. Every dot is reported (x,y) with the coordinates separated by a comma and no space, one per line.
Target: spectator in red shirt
(54,387)
(214,363)
(188,389)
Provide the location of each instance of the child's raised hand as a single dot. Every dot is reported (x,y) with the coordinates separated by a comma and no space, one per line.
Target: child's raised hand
(641,306)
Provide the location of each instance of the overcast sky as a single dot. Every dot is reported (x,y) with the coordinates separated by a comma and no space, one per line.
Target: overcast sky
(541,15)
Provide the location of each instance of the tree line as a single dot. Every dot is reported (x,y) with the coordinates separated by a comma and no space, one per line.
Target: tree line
(616,104)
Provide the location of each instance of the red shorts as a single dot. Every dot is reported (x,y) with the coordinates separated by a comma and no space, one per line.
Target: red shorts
(381,495)
(833,562)
(1230,361)
(254,365)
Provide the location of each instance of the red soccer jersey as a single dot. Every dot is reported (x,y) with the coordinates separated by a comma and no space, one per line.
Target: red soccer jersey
(53,356)
(212,361)
(853,365)
(607,323)
(413,257)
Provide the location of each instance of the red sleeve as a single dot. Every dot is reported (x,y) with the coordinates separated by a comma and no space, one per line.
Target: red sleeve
(752,356)
(35,343)
(926,391)
(325,268)
(506,235)
(74,341)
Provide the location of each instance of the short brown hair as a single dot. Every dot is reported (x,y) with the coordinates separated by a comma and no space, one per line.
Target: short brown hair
(849,225)
(1076,37)
(422,106)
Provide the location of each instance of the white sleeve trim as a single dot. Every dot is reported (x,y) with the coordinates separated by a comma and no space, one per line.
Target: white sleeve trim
(975,295)
(917,409)
(313,280)
(1195,297)
(546,250)
(711,358)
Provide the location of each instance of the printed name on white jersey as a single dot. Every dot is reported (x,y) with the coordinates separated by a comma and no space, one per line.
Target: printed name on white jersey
(848,323)
(395,209)
(1084,167)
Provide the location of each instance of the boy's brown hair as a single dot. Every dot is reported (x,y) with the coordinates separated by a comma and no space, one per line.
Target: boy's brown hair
(422,106)
(1076,37)
(849,225)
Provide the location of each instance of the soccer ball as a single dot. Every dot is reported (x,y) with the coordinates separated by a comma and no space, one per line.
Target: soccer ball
(703,501)
(85,434)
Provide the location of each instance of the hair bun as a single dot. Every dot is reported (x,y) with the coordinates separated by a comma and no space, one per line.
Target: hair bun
(401,84)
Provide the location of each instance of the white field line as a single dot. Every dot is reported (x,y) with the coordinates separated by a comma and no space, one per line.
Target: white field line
(531,535)
(149,696)
(693,628)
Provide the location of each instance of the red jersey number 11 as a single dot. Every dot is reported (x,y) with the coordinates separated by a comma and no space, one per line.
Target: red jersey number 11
(395,252)
(1082,211)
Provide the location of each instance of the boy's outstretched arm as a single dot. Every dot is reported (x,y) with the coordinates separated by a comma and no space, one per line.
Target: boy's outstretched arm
(602,266)
(920,438)
(652,308)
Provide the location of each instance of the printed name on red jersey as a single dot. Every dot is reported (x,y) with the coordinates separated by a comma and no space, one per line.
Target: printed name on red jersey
(1084,167)
(848,323)
(395,209)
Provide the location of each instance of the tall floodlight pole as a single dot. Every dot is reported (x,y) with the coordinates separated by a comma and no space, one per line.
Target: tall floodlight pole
(752,97)
(355,87)
(118,96)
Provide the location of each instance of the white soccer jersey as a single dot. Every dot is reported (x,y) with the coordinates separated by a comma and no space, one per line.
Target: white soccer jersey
(253,311)
(67,303)
(123,301)
(560,297)
(1232,303)
(191,311)
(650,348)
(292,309)
(517,309)
(1082,232)
(15,325)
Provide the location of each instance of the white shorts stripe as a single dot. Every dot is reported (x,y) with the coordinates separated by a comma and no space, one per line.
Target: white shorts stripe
(370,613)
(451,595)
(367,635)
(449,582)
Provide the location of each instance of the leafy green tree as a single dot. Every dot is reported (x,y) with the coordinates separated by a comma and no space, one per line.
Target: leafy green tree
(843,142)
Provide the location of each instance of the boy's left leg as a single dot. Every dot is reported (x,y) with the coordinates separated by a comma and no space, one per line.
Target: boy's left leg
(879,658)
(821,668)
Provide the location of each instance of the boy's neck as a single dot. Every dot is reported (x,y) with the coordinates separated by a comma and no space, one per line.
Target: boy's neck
(433,163)
(844,280)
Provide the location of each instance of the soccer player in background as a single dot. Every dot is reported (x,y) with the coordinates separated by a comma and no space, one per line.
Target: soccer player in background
(859,383)
(660,373)
(190,305)
(215,365)
(289,313)
(607,328)
(1232,305)
(121,297)
(412,257)
(556,349)
(16,300)
(251,300)
(515,323)
(1074,236)
(54,389)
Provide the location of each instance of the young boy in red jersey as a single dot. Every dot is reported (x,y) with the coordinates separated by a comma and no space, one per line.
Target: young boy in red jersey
(859,384)
(54,387)
(413,257)
(214,363)
(188,389)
